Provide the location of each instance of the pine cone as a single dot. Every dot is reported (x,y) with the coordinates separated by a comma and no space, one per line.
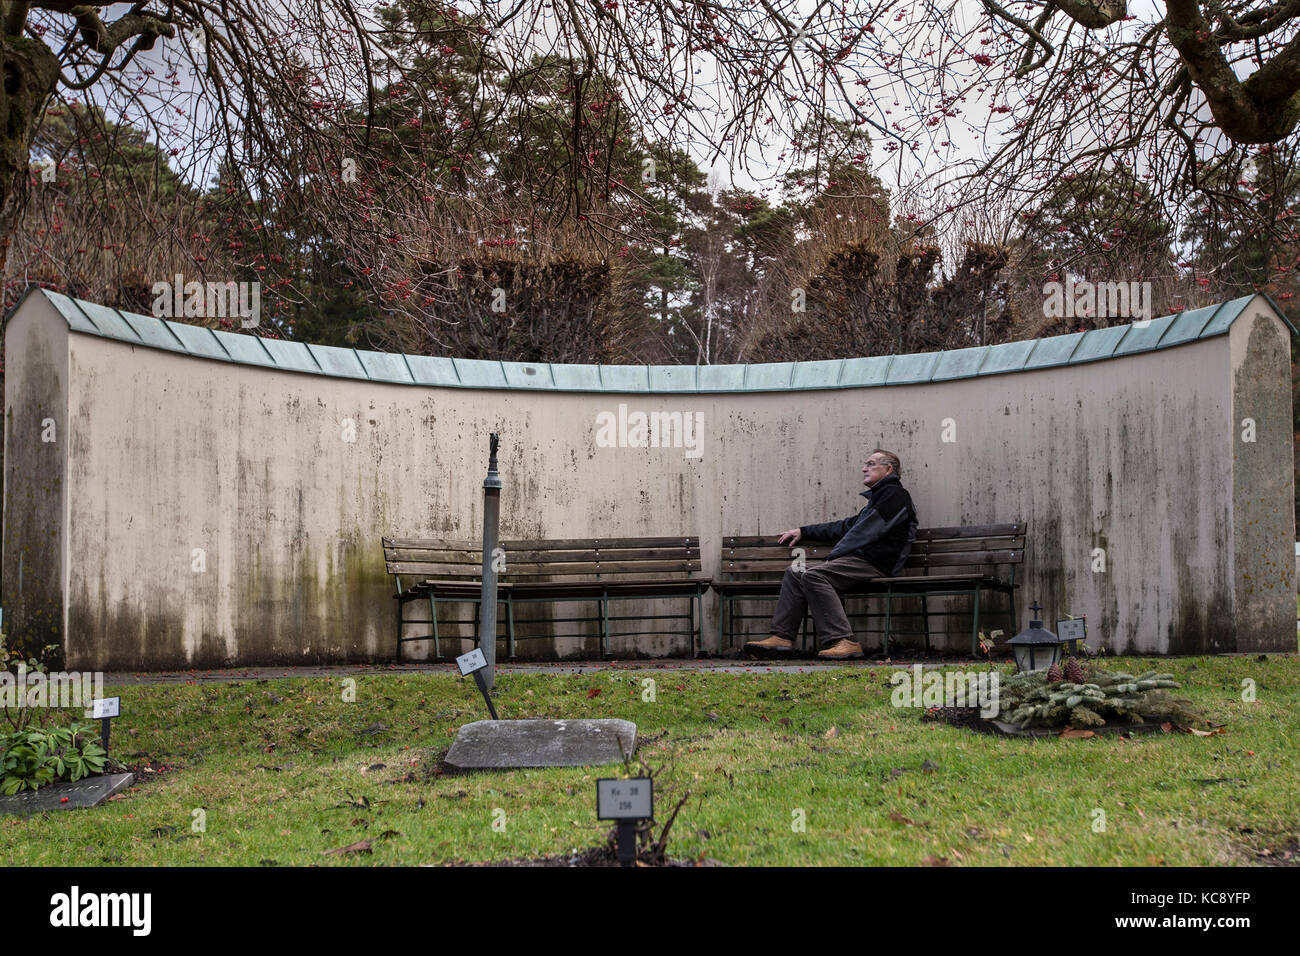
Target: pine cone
(1074,671)
(1054,674)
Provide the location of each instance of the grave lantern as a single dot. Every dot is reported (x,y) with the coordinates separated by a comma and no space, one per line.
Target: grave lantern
(1035,649)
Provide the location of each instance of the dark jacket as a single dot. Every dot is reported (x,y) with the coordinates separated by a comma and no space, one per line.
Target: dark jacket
(881,533)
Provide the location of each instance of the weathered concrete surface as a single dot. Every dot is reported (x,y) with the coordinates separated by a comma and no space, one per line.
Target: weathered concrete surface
(35,480)
(198,513)
(1264,575)
(503,744)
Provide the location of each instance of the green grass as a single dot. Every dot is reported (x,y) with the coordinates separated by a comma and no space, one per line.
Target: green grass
(270,775)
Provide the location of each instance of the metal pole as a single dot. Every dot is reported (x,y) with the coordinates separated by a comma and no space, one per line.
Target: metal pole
(627,843)
(487,622)
(483,689)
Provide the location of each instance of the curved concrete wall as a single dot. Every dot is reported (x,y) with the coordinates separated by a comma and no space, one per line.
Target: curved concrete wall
(196,512)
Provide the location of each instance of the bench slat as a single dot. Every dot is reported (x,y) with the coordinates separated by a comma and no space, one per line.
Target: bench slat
(929,580)
(513,569)
(611,554)
(439,544)
(586,544)
(664,586)
(422,556)
(767,541)
(432,567)
(967,557)
(972,531)
(467,585)
(776,567)
(996,543)
(774,552)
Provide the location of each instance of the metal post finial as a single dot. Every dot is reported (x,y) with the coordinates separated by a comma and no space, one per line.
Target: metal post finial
(1037,619)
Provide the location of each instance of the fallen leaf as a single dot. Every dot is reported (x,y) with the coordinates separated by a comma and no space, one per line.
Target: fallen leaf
(1206,733)
(784,721)
(361,846)
(1167,727)
(1071,732)
(594,692)
(935,861)
(831,733)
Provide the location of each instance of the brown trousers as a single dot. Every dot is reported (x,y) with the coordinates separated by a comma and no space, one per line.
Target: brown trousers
(818,590)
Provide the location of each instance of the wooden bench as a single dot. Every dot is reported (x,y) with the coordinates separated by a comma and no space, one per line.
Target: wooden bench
(943,562)
(598,570)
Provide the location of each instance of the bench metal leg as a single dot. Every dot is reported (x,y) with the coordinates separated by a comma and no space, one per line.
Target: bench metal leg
(889,612)
(722,612)
(699,610)
(696,606)
(925,611)
(690,617)
(400,602)
(433,614)
(975,627)
(1015,618)
(510,629)
(604,625)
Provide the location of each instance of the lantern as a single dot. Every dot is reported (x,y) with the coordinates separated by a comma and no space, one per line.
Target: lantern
(1035,649)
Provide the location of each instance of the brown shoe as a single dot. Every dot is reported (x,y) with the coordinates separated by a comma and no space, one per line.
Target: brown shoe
(842,650)
(770,647)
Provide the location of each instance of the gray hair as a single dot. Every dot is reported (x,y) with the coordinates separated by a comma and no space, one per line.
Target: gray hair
(892,460)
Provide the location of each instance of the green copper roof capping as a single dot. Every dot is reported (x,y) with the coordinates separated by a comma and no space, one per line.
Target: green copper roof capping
(1076,348)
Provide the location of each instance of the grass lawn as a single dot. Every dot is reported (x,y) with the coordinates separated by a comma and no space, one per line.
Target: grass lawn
(286,769)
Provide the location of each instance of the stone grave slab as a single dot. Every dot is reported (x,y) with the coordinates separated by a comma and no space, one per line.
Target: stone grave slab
(86,792)
(505,744)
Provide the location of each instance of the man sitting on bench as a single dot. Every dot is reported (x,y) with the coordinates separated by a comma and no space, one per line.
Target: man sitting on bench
(878,537)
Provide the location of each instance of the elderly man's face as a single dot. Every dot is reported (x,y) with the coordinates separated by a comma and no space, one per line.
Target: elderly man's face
(875,468)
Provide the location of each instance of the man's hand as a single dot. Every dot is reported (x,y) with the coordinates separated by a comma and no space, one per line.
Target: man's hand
(794,535)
